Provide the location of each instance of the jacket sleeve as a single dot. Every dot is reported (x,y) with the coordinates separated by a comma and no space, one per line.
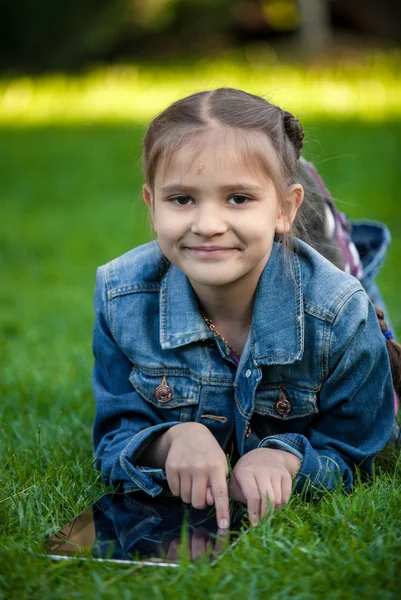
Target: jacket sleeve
(125,424)
(356,411)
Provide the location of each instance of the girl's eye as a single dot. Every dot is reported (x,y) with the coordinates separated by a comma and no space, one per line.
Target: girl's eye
(181,200)
(238,199)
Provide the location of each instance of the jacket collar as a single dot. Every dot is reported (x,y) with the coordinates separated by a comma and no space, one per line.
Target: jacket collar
(278,317)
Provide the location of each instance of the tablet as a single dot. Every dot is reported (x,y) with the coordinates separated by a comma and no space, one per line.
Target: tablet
(136,528)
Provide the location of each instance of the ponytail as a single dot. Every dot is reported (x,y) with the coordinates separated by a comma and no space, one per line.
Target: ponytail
(394,351)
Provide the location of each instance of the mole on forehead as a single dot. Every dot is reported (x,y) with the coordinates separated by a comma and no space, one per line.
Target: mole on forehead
(199,167)
(252,152)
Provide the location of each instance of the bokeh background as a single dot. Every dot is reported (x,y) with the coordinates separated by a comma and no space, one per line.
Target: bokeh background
(79,81)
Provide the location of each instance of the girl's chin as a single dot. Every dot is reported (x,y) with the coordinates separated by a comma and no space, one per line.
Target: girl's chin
(213,280)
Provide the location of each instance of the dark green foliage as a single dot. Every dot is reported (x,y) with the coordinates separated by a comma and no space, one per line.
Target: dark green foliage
(45,35)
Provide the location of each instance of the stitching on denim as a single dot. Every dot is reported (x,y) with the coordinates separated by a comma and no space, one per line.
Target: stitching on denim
(275,356)
(174,337)
(217,381)
(232,427)
(318,473)
(298,295)
(189,373)
(240,410)
(181,338)
(338,304)
(133,288)
(141,479)
(322,352)
(266,412)
(190,398)
(289,441)
(201,404)
(159,371)
(218,418)
(277,385)
(317,311)
(295,443)
(130,488)
(265,406)
(152,491)
(209,363)
(163,300)
(353,291)
(292,441)
(344,294)
(326,351)
(148,470)
(109,307)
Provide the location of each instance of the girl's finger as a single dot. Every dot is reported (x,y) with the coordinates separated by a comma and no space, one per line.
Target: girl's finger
(218,484)
(172,552)
(198,494)
(200,543)
(251,492)
(173,481)
(234,489)
(276,485)
(209,496)
(186,487)
(286,489)
(267,498)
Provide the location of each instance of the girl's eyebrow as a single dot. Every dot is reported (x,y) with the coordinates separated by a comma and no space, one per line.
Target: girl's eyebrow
(237,187)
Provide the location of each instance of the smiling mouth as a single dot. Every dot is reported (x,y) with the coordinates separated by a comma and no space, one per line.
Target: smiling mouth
(210,252)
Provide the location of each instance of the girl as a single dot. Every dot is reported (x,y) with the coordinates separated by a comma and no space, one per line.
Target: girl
(227,330)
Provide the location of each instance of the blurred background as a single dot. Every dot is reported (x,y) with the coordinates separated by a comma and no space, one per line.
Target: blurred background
(80,80)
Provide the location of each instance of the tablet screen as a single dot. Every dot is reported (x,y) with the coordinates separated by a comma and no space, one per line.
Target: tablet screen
(138,528)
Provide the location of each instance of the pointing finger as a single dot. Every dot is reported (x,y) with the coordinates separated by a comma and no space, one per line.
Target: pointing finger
(220,495)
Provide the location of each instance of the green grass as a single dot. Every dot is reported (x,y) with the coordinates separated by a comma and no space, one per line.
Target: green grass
(69,202)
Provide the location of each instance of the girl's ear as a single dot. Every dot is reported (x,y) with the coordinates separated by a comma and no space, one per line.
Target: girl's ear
(286,213)
(148,198)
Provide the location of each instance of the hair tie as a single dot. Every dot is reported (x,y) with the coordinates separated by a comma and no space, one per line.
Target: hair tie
(388,334)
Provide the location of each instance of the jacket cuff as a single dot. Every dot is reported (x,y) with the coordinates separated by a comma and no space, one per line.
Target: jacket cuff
(147,479)
(317,472)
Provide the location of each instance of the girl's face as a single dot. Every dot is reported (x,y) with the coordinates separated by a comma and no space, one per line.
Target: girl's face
(215,218)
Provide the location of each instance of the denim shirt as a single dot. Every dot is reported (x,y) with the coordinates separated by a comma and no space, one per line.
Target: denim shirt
(313,379)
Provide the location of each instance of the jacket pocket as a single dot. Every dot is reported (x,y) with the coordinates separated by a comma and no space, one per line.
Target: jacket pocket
(285,403)
(179,392)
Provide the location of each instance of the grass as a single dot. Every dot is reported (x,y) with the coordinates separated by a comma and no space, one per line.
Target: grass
(69,202)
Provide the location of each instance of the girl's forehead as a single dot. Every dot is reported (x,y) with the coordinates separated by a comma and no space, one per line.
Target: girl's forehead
(220,149)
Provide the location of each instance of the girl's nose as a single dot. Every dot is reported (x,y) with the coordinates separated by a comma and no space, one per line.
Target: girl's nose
(208,221)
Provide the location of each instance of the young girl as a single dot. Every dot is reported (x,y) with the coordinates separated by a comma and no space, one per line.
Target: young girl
(227,332)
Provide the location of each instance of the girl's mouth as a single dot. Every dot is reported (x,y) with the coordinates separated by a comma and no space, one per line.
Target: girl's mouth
(210,251)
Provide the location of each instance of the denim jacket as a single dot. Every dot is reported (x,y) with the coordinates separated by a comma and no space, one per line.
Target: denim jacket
(313,379)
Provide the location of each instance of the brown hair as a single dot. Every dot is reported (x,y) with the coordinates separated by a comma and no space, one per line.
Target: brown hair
(394,353)
(183,121)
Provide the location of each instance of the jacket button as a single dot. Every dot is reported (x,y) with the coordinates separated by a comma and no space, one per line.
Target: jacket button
(163,392)
(283,406)
(248,429)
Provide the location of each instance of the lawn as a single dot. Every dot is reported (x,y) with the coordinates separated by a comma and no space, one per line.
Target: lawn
(70,201)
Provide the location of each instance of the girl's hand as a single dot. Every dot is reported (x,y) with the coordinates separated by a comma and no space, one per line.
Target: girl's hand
(194,462)
(261,476)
